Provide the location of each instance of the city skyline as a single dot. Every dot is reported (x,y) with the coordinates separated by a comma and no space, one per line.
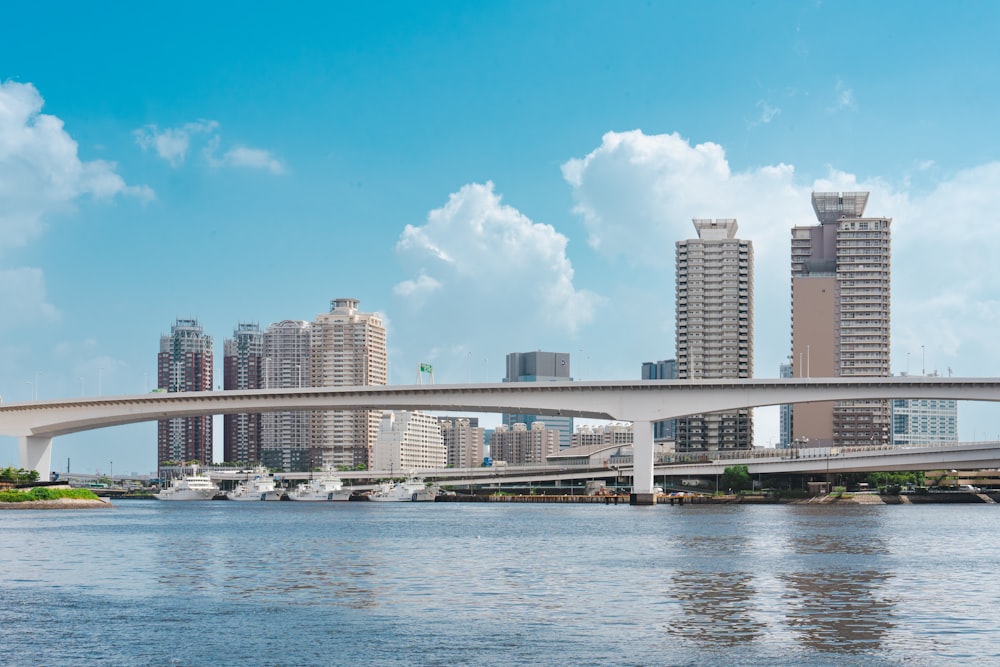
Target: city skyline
(466,171)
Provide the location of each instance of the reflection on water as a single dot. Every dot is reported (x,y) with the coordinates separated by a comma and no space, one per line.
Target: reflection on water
(443,584)
(718,607)
(314,569)
(838,611)
(817,530)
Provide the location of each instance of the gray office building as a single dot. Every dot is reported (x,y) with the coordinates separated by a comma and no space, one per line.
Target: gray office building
(540,367)
(662,370)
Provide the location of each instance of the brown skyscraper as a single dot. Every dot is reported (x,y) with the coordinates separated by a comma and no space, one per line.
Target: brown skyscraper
(840,317)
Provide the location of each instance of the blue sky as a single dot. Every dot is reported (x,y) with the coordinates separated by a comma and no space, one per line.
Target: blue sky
(494,177)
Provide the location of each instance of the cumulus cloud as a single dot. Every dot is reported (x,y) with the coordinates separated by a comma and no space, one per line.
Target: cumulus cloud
(40,171)
(637,194)
(173,144)
(479,260)
(41,175)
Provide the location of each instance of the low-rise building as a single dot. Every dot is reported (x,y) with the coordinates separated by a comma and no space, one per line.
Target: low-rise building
(520,445)
(408,441)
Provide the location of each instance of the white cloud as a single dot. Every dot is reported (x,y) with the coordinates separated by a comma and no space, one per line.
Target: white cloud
(243,156)
(479,261)
(172,144)
(843,98)
(40,171)
(23,298)
(41,175)
(637,194)
(766,115)
(417,289)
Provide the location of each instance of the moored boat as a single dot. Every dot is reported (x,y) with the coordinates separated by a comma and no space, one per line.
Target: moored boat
(409,490)
(326,487)
(189,487)
(260,487)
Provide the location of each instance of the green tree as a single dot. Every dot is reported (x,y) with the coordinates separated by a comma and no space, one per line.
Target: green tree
(9,474)
(736,478)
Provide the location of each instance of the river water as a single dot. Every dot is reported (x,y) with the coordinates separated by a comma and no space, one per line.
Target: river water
(227,583)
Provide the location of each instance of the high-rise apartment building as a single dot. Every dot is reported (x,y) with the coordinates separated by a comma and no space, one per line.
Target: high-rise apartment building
(242,357)
(348,348)
(540,367)
(284,440)
(714,328)
(464,440)
(408,440)
(840,317)
(185,363)
(661,370)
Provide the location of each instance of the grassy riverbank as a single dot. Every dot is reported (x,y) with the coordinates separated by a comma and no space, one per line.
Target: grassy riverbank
(48,497)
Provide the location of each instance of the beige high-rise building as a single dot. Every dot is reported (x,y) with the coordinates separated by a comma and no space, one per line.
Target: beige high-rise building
(840,317)
(347,348)
(714,329)
(465,443)
(285,442)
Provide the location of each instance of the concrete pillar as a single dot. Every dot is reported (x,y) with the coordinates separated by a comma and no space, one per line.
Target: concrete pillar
(642,464)
(36,454)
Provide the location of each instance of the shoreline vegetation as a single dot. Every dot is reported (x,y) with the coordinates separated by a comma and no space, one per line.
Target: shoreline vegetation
(46,497)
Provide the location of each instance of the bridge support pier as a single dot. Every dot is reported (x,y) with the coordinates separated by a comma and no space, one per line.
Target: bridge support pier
(642,464)
(36,454)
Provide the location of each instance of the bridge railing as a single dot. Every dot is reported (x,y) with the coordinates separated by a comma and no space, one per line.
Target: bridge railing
(763,453)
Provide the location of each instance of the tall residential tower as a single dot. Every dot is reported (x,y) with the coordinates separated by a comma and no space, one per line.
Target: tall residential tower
(840,317)
(714,328)
(241,369)
(185,364)
(285,435)
(348,348)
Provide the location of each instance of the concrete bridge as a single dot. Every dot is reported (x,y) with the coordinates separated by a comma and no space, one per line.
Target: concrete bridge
(35,423)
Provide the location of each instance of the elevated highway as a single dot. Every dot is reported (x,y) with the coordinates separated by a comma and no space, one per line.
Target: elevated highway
(35,423)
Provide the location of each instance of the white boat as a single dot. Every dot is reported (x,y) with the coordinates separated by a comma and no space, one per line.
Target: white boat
(259,487)
(326,487)
(410,490)
(189,487)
